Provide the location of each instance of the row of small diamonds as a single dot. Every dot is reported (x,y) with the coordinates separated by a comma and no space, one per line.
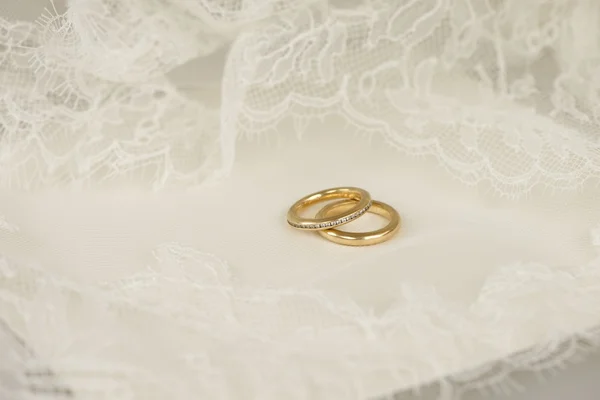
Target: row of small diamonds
(333,223)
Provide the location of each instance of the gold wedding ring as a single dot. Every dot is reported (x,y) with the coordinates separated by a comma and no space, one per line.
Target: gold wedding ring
(359,207)
(361,238)
(354,202)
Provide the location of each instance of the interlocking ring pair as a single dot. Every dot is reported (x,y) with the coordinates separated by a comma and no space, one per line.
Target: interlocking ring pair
(355,203)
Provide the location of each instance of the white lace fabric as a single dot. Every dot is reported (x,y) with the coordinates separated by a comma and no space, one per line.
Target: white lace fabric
(476,119)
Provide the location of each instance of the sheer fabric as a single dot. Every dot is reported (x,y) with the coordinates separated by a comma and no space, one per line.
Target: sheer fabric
(149,150)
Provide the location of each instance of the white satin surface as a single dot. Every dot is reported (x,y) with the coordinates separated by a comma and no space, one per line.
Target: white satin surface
(447,295)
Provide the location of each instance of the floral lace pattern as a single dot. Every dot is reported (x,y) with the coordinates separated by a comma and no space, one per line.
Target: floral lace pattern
(206,324)
(415,75)
(497,92)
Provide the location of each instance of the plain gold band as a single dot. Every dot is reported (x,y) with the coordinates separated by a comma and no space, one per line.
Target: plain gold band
(361,201)
(361,238)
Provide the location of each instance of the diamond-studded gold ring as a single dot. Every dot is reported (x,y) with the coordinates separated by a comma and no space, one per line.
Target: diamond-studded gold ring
(359,207)
(354,202)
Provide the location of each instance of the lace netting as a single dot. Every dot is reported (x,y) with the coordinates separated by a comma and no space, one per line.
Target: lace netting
(209,328)
(499,91)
